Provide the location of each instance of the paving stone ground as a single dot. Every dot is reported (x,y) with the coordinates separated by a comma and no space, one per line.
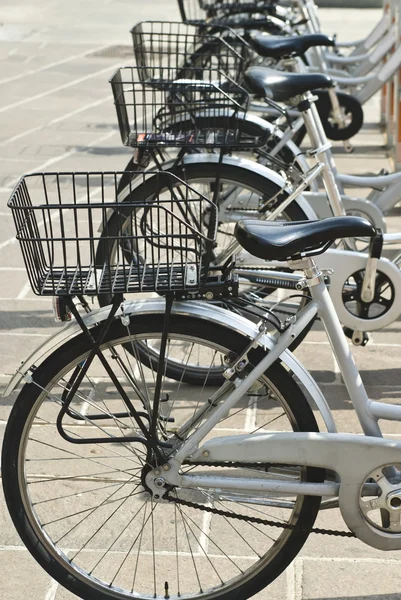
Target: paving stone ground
(56,113)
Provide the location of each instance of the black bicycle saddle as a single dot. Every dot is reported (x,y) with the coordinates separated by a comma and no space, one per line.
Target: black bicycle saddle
(277,46)
(281,86)
(276,240)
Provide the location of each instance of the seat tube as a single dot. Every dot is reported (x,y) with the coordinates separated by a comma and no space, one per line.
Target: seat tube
(308,13)
(340,348)
(322,152)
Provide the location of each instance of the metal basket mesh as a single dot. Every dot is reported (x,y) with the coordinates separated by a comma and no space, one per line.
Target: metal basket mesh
(156,240)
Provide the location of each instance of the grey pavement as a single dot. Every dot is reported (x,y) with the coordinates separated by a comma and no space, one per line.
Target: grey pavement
(56,113)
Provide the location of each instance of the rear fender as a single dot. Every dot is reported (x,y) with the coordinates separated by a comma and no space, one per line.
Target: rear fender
(199,310)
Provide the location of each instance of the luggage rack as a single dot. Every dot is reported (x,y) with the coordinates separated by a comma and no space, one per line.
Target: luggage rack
(157,244)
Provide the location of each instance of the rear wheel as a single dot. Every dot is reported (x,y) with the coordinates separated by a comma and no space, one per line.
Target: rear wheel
(241,193)
(82,509)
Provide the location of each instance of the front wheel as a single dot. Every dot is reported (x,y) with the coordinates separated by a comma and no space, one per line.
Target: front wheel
(83,509)
(352,112)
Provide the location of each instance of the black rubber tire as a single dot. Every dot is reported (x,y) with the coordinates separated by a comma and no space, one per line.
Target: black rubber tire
(351,106)
(194,172)
(299,408)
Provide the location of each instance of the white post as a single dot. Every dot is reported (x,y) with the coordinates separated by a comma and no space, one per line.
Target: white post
(397,96)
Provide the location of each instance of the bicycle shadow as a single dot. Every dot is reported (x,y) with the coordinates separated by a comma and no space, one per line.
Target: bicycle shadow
(35,319)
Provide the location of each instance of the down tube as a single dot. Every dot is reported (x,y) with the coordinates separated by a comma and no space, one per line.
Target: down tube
(303,319)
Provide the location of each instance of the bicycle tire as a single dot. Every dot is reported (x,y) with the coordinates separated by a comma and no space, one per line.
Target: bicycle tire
(351,107)
(19,450)
(192,173)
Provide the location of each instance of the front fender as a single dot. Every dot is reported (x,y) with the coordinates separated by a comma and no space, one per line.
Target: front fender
(200,310)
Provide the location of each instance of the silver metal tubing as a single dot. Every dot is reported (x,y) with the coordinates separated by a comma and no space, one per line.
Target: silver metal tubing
(381,181)
(349,44)
(381,410)
(306,181)
(318,139)
(345,60)
(304,317)
(369,280)
(288,135)
(355,81)
(308,178)
(374,36)
(345,360)
(260,485)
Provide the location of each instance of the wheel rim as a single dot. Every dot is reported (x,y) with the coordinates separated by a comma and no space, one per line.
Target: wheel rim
(238,200)
(88,550)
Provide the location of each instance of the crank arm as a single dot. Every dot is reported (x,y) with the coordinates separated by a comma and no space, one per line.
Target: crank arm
(369,280)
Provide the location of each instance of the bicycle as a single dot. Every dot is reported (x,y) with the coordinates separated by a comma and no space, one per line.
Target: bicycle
(99,444)
(159,43)
(364,289)
(160,111)
(363,73)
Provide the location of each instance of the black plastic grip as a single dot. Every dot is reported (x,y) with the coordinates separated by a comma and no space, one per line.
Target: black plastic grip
(376,245)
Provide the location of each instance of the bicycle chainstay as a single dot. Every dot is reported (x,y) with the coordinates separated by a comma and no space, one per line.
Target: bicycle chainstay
(255,520)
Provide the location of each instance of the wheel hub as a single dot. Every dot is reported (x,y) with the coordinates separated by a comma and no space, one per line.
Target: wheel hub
(393,500)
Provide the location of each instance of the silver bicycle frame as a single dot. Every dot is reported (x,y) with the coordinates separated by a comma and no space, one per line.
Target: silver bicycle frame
(352,457)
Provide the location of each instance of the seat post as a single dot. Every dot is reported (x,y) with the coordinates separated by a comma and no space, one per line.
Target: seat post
(321,150)
(313,275)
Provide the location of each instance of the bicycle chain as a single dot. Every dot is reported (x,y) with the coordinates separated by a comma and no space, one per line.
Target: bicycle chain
(255,520)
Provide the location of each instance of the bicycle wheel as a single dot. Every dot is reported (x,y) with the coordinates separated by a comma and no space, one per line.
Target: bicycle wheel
(241,193)
(352,113)
(82,509)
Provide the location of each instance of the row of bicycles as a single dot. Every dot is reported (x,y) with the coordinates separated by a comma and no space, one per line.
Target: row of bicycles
(166,445)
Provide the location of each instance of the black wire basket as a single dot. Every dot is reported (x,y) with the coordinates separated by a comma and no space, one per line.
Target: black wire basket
(79,237)
(232,13)
(188,112)
(187,52)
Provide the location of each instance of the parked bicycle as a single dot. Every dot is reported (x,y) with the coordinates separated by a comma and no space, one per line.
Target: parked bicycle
(364,290)
(109,471)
